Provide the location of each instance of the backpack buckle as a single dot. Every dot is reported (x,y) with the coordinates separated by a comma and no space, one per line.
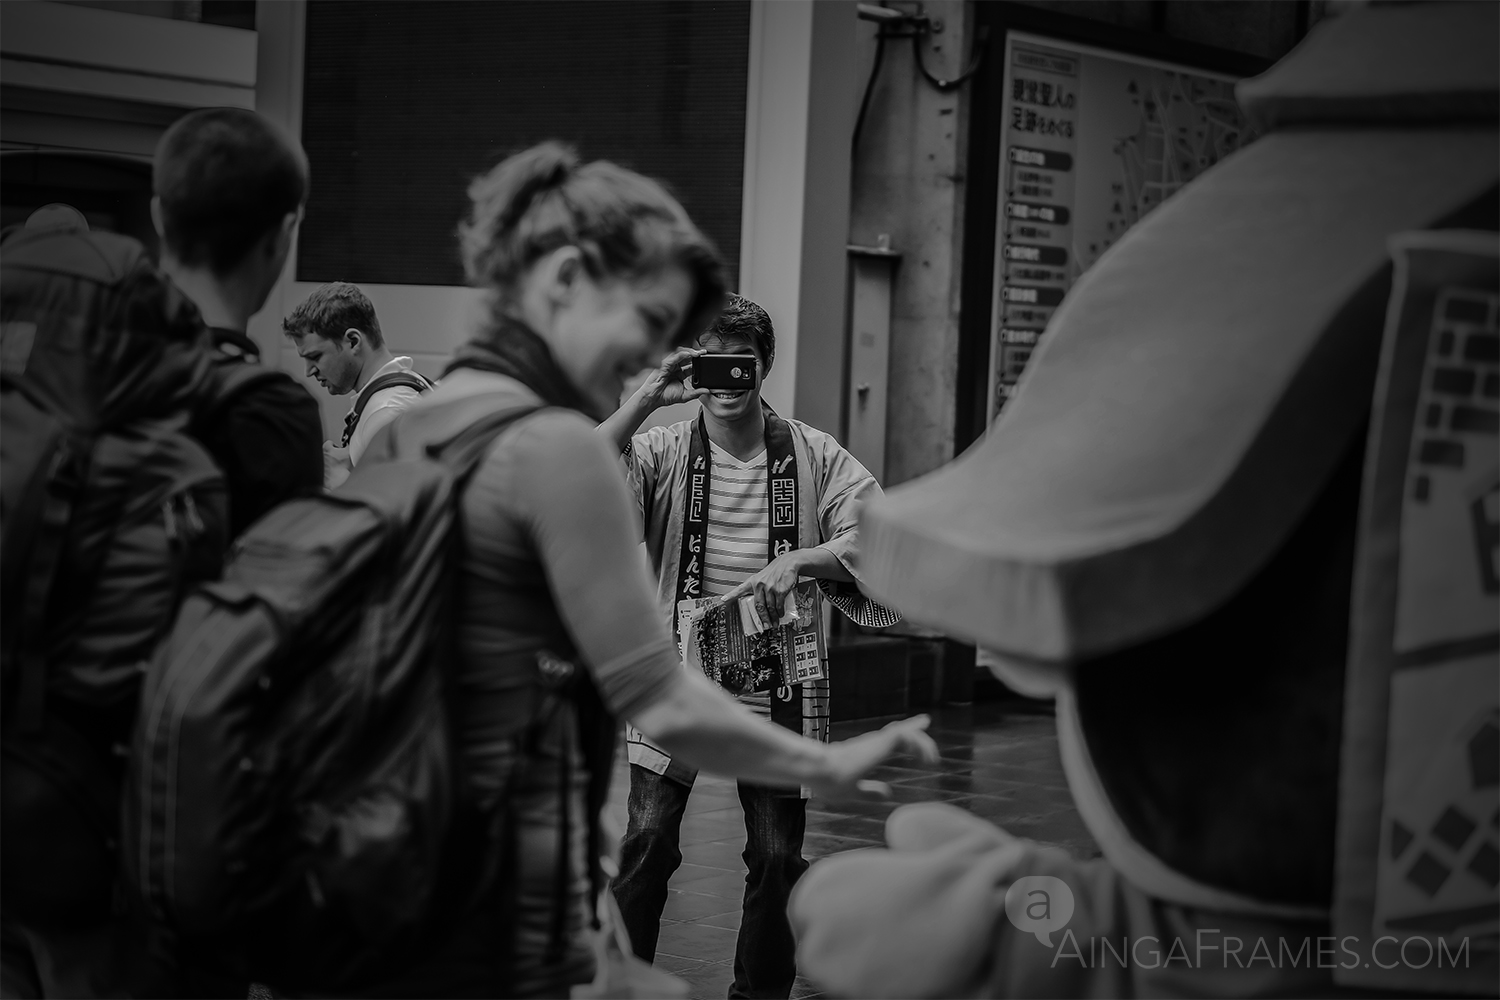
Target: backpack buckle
(556,672)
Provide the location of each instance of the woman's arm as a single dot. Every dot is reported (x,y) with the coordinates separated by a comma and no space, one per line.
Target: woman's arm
(567,488)
(701,724)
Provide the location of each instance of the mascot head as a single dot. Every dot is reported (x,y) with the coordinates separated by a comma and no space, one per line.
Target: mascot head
(1241,514)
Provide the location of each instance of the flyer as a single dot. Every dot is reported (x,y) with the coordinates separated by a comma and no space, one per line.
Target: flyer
(744,654)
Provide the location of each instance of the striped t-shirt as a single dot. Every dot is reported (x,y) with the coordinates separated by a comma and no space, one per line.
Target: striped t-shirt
(738,531)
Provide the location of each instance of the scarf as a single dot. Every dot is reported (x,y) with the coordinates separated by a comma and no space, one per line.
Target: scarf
(781,535)
(512,348)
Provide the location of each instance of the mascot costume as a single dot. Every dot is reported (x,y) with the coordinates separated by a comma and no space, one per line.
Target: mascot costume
(1240,519)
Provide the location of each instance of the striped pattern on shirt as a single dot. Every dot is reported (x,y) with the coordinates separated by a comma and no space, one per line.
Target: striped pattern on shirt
(738,522)
(739,526)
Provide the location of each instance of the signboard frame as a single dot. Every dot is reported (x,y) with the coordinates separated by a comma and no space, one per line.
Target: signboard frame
(1004,353)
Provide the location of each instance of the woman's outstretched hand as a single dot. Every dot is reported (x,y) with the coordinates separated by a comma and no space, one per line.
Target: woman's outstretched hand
(852,759)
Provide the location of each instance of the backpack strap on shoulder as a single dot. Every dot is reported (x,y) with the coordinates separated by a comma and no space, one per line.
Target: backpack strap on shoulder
(407,378)
(63,478)
(463,450)
(597,729)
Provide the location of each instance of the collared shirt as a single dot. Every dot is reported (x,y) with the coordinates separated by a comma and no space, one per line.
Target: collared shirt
(382,407)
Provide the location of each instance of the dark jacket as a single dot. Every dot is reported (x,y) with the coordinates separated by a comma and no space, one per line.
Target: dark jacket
(263,429)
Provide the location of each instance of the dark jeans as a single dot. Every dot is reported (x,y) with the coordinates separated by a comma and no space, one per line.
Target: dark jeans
(765,953)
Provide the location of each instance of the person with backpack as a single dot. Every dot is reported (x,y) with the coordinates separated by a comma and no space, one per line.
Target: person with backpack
(229,189)
(352,779)
(337,335)
(595,273)
(132,457)
(111,510)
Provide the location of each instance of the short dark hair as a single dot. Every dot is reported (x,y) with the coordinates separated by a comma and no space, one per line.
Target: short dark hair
(624,224)
(332,309)
(744,320)
(225,177)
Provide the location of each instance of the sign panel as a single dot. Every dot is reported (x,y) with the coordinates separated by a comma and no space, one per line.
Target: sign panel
(1092,141)
(1419,815)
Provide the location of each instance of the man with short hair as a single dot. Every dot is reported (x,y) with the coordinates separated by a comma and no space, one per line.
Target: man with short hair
(773,501)
(228,192)
(229,189)
(338,337)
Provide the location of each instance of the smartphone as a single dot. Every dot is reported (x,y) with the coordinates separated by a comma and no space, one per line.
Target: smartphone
(725,371)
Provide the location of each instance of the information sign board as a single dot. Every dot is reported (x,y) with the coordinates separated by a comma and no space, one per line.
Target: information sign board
(1092,141)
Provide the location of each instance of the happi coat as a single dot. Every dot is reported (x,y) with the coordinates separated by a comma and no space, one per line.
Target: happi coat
(832,486)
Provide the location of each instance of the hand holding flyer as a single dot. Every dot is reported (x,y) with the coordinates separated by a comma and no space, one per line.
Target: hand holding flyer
(737,649)
(754,624)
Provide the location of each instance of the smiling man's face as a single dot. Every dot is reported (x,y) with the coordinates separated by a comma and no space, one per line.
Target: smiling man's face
(730,406)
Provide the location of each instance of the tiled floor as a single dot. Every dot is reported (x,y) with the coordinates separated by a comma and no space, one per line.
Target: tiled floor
(999,761)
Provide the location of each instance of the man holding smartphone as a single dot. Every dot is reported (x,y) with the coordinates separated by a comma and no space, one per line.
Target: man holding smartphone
(736,502)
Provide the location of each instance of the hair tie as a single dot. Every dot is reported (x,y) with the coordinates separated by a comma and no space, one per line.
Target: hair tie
(554,165)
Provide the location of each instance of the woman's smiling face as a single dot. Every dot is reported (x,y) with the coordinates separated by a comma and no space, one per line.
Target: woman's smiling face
(607,330)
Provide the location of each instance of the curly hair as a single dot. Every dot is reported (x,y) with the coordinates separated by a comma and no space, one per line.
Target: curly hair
(624,224)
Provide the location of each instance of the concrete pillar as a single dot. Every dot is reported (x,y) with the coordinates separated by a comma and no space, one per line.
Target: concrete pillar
(800,104)
(908,181)
(281,30)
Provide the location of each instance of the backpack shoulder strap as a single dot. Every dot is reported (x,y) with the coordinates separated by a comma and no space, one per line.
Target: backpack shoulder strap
(410,379)
(407,378)
(462,451)
(59,485)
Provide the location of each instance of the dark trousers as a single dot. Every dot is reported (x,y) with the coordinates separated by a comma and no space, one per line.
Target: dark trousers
(765,953)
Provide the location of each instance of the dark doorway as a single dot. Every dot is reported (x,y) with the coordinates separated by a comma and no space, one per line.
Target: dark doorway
(112,192)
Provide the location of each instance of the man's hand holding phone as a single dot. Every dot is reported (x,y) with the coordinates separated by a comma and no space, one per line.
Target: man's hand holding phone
(671,381)
(690,373)
(680,378)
